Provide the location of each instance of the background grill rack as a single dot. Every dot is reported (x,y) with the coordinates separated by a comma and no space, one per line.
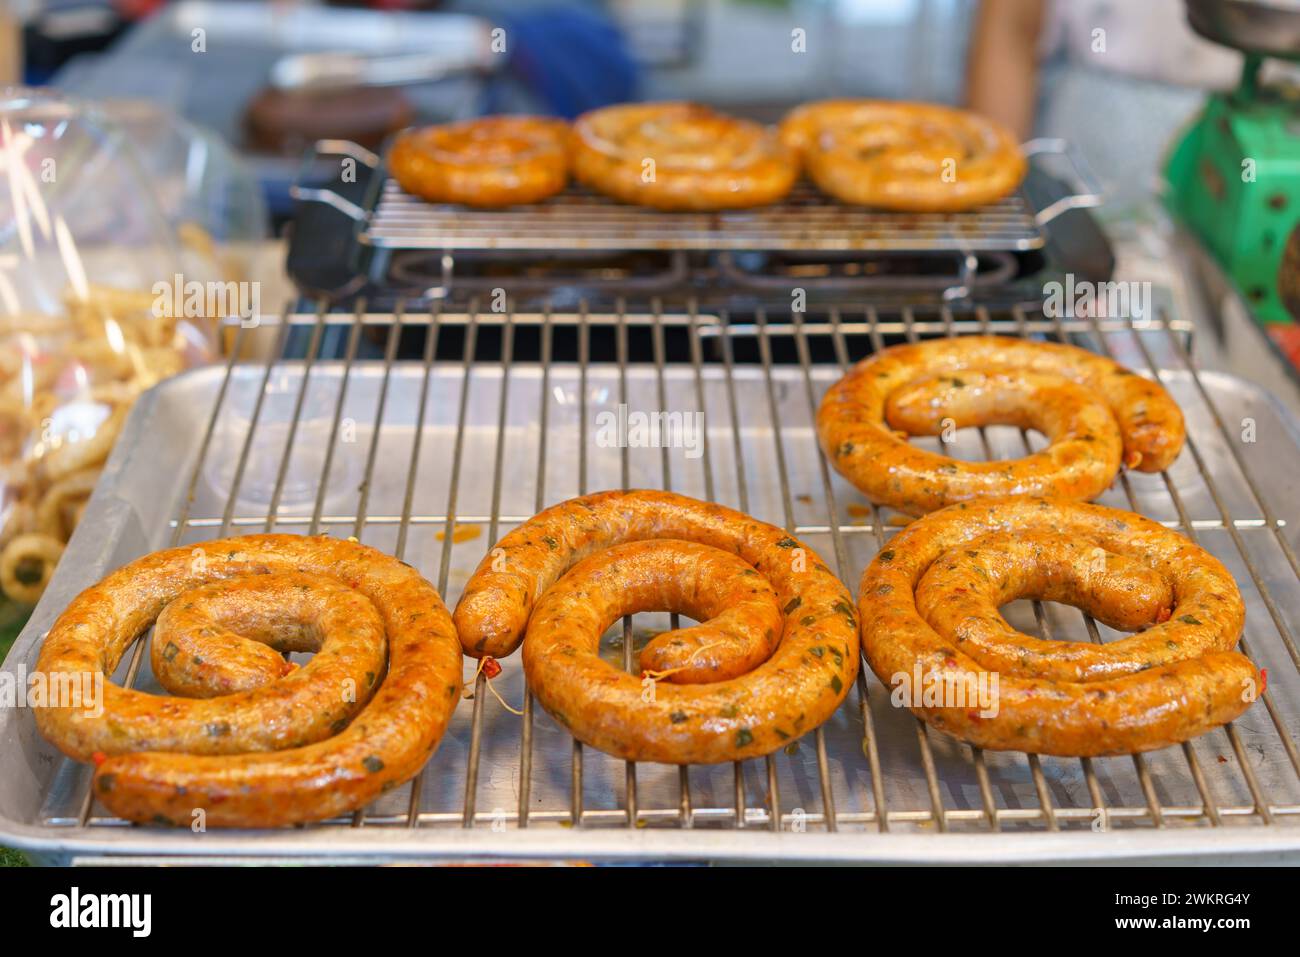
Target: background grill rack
(578,219)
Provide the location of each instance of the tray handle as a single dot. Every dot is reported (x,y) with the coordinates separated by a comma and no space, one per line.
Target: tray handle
(319,194)
(1089,192)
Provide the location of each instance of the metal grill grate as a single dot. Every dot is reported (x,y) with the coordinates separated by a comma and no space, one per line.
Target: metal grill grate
(578,219)
(408,455)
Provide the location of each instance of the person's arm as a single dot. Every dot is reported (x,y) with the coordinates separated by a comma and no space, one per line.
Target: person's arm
(1002,70)
(11,47)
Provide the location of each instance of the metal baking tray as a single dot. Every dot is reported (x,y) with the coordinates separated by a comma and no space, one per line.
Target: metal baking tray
(400,453)
(807,220)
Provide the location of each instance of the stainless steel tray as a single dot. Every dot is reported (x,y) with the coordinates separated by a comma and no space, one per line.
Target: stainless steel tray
(409,449)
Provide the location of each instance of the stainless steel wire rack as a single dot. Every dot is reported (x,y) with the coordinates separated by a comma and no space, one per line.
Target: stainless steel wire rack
(806,220)
(433,459)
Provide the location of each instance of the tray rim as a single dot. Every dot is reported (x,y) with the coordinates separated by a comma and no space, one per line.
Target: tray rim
(683,845)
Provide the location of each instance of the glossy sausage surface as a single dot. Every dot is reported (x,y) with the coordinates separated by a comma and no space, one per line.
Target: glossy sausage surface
(929,610)
(916,157)
(754,585)
(487,162)
(680,156)
(1095,412)
(320,741)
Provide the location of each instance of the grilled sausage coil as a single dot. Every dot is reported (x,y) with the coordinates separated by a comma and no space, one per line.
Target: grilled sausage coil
(1096,413)
(680,156)
(765,601)
(259,743)
(931,628)
(916,157)
(487,162)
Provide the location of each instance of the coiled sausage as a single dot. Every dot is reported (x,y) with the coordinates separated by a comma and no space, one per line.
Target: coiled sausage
(765,600)
(931,628)
(278,748)
(1095,412)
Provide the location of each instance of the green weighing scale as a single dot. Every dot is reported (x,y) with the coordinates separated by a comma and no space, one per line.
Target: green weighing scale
(1234,178)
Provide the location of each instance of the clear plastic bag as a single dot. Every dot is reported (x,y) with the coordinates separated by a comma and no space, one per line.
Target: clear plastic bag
(99,224)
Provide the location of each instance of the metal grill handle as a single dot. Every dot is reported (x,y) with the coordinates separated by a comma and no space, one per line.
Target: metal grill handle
(1089,193)
(328,196)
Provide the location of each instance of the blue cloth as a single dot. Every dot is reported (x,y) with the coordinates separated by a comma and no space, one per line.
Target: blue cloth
(571,59)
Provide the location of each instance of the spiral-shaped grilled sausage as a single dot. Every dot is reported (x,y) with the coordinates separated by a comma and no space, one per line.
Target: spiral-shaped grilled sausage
(774,655)
(260,743)
(680,156)
(931,628)
(917,157)
(1096,414)
(490,161)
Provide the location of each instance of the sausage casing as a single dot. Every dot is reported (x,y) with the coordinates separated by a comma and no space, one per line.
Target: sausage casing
(680,156)
(690,556)
(289,751)
(487,162)
(917,157)
(1089,406)
(931,630)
